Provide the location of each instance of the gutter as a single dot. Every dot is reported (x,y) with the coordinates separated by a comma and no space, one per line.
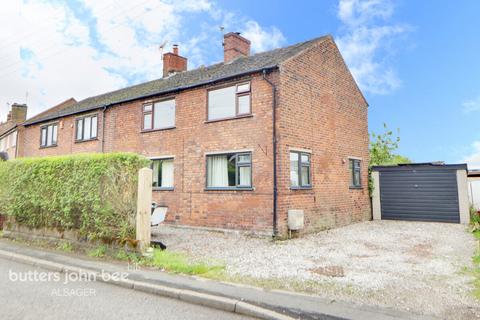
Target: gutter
(274,142)
(150,95)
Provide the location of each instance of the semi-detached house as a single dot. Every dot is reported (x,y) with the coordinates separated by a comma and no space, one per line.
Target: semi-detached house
(236,144)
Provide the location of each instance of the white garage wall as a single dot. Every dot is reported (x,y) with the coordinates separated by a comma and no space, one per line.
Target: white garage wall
(474,191)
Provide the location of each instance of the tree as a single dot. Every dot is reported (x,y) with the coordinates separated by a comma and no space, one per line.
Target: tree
(382,147)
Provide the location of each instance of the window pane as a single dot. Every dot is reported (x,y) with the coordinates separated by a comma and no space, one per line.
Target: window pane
(54,134)
(294,169)
(94,127)
(244,158)
(156,167)
(221,103)
(87,122)
(217,171)
(44,137)
(244,104)
(49,136)
(79,129)
(305,175)
(305,158)
(232,168)
(164,114)
(147,108)
(243,87)
(356,178)
(167,174)
(244,176)
(147,121)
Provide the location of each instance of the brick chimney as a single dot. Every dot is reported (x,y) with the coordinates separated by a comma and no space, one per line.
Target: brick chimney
(234,46)
(18,114)
(173,62)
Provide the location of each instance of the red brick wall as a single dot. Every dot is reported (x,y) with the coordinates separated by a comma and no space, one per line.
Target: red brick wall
(66,144)
(321,109)
(192,138)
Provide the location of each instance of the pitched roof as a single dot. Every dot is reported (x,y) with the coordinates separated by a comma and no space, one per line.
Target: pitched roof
(6,127)
(55,109)
(182,80)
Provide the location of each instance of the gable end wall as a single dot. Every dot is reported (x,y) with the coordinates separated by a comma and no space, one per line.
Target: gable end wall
(321,109)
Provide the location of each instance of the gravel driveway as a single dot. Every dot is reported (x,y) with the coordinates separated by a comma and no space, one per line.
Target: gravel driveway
(414,266)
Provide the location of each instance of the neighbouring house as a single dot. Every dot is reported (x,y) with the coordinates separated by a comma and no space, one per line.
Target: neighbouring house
(474,188)
(239,144)
(9,130)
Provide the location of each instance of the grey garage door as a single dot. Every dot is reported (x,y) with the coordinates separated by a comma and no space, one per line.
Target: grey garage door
(419,193)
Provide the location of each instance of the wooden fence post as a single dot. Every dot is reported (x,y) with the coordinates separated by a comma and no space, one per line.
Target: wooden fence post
(144,207)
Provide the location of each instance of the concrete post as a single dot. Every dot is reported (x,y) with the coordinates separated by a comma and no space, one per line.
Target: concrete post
(463,203)
(376,208)
(144,207)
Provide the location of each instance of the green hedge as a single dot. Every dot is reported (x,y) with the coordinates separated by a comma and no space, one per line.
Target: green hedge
(92,193)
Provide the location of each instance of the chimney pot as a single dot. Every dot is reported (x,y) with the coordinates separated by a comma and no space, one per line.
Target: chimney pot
(175,49)
(234,46)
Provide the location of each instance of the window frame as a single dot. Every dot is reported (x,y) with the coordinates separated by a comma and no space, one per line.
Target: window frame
(46,128)
(151,167)
(237,187)
(352,169)
(237,96)
(152,114)
(301,164)
(82,119)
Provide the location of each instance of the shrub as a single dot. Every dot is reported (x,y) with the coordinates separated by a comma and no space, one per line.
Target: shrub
(92,193)
(474,220)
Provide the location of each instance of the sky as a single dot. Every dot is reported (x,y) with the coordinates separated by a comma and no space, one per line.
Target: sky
(417,62)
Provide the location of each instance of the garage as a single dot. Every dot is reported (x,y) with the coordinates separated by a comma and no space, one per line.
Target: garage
(421,192)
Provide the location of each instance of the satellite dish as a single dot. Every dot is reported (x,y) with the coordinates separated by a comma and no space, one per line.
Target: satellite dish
(158,215)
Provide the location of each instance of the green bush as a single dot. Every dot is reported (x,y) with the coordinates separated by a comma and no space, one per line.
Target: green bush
(92,193)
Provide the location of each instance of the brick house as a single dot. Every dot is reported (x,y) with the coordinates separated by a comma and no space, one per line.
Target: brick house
(9,130)
(236,144)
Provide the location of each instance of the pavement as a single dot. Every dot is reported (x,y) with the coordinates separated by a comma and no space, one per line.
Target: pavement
(64,298)
(245,300)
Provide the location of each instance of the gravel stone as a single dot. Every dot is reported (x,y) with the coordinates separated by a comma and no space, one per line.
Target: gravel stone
(412,266)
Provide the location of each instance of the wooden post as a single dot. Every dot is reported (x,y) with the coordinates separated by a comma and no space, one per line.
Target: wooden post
(144,207)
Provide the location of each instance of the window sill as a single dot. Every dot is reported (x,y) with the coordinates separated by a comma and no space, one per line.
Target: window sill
(87,140)
(229,189)
(163,189)
(46,147)
(356,188)
(230,118)
(155,130)
(301,188)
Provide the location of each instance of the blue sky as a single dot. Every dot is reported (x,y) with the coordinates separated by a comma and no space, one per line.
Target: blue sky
(416,61)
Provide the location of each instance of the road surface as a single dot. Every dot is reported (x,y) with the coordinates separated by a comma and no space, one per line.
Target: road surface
(27,292)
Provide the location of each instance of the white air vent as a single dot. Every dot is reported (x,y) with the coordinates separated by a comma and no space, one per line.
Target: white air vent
(295,219)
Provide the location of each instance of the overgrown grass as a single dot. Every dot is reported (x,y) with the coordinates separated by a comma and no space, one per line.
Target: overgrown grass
(65,246)
(179,263)
(98,252)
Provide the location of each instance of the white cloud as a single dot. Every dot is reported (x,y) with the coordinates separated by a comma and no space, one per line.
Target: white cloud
(54,51)
(367,42)
(473,159)
(471,105)
(262,39)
